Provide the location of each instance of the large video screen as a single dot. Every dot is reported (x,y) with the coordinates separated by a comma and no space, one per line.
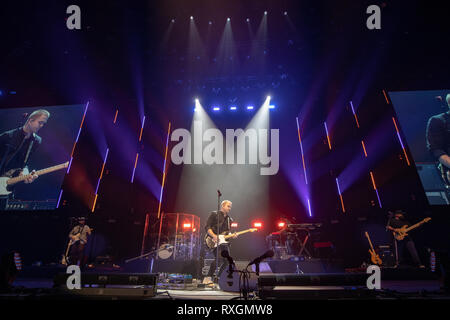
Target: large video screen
(35,148)
(424,118)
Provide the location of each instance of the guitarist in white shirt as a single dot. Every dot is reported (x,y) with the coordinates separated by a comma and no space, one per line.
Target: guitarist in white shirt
(211,229)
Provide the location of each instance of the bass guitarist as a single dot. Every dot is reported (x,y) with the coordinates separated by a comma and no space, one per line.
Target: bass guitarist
(395,223)
(220,220)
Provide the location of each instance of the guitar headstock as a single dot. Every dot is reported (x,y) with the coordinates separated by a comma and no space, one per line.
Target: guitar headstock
(66,164)
(253,229)
(426,219)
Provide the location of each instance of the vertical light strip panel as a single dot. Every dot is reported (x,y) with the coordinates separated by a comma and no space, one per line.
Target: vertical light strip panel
(78,136)
(142,129)
(99,179)
(59,198)
(164,171)
(328,136)
(115,116)
(375,188)
(364,148)
(354,114)
(309,208)
(340,195)
(137,154)
(385,96)
(301,149)
(401,142)
(134,168)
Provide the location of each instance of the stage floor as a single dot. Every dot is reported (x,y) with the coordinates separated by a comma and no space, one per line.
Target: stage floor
(40,288)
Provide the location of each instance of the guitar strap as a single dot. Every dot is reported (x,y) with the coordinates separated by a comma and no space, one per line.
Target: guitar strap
(28,152)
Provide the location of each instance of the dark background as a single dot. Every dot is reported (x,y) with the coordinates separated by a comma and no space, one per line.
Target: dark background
(125,59)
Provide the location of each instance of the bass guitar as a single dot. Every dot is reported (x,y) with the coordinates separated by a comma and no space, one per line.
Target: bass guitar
(401,233)
(374,257)
(222,238)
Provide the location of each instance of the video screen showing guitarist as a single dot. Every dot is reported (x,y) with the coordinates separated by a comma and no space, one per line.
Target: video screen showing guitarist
(222,220)
(395,223)
(438,140)
(17,147)
(78,239)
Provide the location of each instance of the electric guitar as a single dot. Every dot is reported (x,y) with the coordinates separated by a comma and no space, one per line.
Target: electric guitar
(7,180)
(222,238)
(374,257)
(401,233)
(74,239)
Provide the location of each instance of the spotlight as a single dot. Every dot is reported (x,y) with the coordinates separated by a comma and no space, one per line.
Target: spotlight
(192,18)
(268,97)
(257,225)
(285,13)
(248,20)
(281,224)
(210,22)
(271,106)
(187,225)
(216,108)
(265,13)
(228,19)
(249,107)
(173,20)
(234,224)
(233,108)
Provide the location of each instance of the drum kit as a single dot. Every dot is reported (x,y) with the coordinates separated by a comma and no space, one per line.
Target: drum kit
(179,248)
(291,241)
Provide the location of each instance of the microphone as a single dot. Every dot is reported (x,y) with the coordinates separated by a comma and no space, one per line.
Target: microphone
(219,193)
(226,255)
(267,254)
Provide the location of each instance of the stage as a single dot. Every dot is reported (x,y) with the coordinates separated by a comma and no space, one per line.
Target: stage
(44,283)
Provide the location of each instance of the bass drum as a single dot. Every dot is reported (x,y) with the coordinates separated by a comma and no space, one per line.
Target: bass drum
(165,251)
(232,284)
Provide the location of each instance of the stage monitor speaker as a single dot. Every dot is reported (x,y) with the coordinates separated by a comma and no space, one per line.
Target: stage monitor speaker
(317,279)
(313,286)
(109,279)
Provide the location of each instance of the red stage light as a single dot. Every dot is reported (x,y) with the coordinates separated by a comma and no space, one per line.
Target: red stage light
(257,224)
(187,225)
(234,224)
(281,224)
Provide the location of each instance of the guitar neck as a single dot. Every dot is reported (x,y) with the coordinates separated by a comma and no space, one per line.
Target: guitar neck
(415,226)
(39,173)
(237,233)
(370,242)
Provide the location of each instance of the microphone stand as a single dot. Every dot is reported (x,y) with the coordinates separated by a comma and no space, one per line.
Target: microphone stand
(217,247)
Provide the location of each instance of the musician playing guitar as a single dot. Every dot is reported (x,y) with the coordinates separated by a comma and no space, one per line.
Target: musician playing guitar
(438,141)
(395,225)
(222,220)
(17,146)
(78,240)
